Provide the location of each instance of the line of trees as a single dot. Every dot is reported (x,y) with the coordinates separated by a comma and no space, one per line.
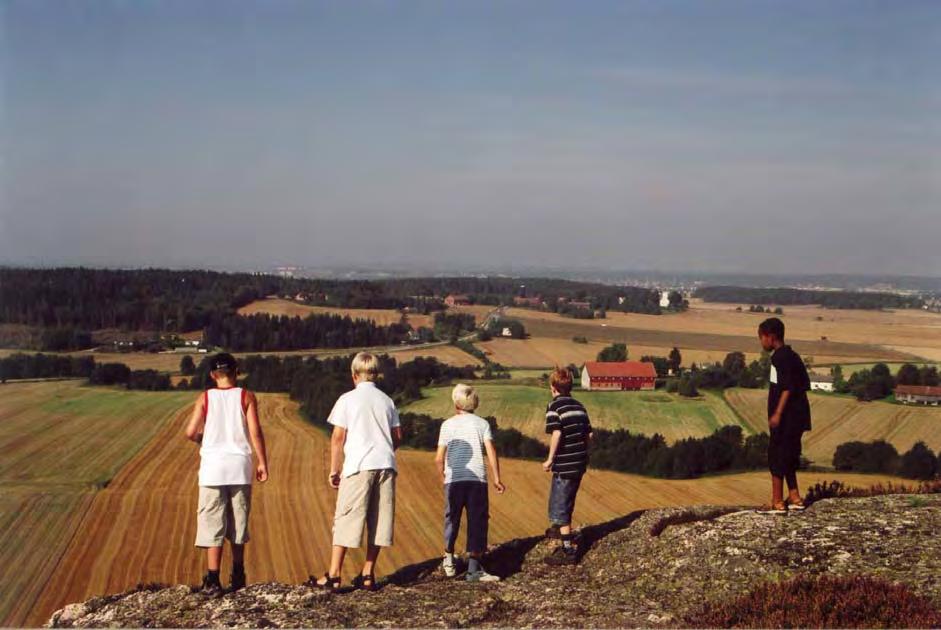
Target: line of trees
(827,299)
(623,451)
(263,332)
(919,462)
(878,382)
(21,365)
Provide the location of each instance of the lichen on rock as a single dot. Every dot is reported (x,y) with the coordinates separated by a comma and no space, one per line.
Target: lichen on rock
(648,569)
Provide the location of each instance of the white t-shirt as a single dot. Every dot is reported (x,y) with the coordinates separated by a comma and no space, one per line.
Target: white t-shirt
(225,452)
(368,416)
(464,436)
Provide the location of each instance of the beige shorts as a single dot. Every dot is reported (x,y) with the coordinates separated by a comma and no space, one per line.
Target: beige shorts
(365,499)
(223,513)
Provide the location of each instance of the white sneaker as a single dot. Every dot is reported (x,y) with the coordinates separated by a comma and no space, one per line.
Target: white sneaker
(481,576)
(447,565)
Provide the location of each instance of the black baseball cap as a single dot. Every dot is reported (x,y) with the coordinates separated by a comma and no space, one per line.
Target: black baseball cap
(223,361)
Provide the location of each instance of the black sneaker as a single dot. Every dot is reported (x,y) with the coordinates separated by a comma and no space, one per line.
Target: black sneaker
(554,533)
(236,581)
(211,587)
(562,556)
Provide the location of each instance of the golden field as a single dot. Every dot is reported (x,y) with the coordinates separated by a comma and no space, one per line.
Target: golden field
(382,317)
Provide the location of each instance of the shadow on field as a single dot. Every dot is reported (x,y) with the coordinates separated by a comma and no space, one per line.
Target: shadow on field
(509,558)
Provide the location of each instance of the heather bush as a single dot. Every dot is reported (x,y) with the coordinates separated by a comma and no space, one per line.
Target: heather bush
(823,602)
(839,490)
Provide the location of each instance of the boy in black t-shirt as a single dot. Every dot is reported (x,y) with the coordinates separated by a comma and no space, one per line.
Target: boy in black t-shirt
(788,415)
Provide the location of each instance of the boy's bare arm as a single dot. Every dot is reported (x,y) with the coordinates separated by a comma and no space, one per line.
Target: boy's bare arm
(337,441)
(494,466)
(439,460)
(194,428)
(396,438)
(775,418)
(257,437)
(553,447)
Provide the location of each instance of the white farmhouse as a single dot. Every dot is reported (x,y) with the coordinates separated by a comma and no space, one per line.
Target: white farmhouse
(821,382)
(664,299)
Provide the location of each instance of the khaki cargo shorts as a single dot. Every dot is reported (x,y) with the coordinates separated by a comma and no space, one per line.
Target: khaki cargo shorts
(365,499)
(223,513)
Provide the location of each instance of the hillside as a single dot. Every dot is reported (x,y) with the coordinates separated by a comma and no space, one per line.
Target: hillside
(646,569)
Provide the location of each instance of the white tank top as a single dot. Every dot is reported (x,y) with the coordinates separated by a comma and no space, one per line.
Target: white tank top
(226,452)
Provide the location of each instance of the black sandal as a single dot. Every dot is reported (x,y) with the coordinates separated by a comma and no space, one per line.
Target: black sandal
(330,583)
(365,582)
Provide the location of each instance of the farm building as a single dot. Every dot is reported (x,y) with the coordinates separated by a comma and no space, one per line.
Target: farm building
(531,302)
(619,375)
(457,300)
(821,382)
(918,394)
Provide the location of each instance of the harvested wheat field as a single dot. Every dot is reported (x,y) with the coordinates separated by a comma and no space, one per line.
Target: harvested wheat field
(870,335)
(523,407)
(59,443)
(546,352)
(839,419)
(140,528)
(381,316)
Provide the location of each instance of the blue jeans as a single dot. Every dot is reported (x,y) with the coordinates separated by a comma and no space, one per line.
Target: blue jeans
(471,496)
(562,499)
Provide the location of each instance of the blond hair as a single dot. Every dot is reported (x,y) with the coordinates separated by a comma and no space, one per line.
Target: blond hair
(465,397)
(366,366)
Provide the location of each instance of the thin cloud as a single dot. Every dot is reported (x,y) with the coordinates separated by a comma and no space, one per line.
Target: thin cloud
(723,83)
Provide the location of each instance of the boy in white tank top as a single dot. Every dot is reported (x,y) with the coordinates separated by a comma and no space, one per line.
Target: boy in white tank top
(225,424)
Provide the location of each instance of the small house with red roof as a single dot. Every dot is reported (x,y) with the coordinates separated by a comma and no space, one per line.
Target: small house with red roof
(918,394)
(619,376)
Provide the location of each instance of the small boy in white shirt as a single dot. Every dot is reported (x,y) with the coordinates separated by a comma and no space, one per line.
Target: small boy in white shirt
(460,461)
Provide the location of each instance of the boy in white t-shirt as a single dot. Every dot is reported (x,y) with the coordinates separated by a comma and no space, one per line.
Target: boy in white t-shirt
(366,433)
(460,461)
(225,424)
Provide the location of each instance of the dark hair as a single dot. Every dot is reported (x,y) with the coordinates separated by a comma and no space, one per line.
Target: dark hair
(773,327)
(224,363)
(561,380)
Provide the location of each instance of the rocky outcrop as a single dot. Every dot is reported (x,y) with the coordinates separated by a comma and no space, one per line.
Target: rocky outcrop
(651,568)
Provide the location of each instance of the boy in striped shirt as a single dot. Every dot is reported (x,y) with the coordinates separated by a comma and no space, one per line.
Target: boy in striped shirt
(568,425)
(460,460)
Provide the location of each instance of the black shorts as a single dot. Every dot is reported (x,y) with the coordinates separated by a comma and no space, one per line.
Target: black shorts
(784,452)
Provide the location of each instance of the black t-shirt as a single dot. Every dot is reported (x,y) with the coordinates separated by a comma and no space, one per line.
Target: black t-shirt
(788,373)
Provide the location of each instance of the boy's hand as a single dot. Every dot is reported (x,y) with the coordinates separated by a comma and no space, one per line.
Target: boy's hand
(774,421)
(261,473)
(335,480)
(500,488)
(547,465)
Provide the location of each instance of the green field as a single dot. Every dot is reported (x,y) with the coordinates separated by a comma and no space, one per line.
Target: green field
(523,407)
(59,443)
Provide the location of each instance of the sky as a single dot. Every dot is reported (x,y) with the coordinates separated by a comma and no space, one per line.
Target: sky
(721,136)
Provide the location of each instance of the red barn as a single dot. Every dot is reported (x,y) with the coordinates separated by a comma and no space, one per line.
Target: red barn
(620,375)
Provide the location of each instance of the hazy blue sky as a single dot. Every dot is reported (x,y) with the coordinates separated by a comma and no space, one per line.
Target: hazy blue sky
(713,136)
